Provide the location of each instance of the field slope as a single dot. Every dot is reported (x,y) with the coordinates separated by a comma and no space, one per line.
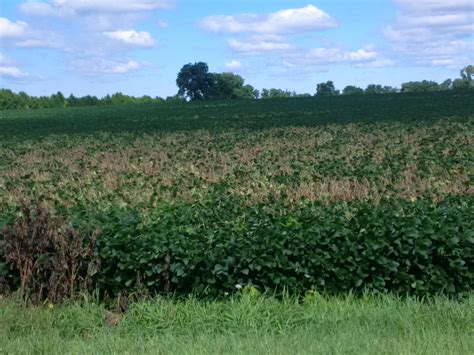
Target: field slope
(335,193)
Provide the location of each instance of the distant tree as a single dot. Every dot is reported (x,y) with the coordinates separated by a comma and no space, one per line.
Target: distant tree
(8,99)
(227,86)
(352,90)
(88,100)
(325,89)
(119,99)
(418,86)
(175,98)
(373,89)
(467,72)
(24,100)
(71,100)
(58,100)
(194,81)
(462,84)
(466,81)
(223,86)
(279,93)
(389,90)
(246,92)
(379,89)
(256,94)
(446,85)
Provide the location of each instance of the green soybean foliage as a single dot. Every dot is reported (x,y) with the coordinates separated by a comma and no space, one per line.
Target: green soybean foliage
(332,193)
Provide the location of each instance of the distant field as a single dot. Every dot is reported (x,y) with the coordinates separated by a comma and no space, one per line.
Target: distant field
(319,149)
(183,179)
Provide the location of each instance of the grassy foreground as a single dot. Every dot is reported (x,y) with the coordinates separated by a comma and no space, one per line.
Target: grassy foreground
(349,325)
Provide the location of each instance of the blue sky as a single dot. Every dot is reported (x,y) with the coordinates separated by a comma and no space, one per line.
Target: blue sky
(138,46)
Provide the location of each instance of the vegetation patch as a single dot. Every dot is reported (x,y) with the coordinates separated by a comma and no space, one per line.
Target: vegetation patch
(329,194)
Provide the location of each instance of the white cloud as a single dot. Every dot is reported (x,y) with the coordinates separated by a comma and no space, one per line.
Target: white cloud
(36,8)
(456,21)
(257,47)
(233,65)
(121,68)
(37,43)
(257,34)
(10,29)
(100,35)
(287,21)
(12,73)
(433,32)
(338,55)
(20,34)
(84,7)
(100,66)
(9,70)
(132,37)
(324,56)
(423,6)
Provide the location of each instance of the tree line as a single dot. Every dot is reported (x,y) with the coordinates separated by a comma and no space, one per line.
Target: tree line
(11,100)
(196,83)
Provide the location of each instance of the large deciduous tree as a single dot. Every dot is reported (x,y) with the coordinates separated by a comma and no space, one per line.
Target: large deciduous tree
(467,72)
(194,81)
(225,86)
(352,90)
(325,89)
(417,86)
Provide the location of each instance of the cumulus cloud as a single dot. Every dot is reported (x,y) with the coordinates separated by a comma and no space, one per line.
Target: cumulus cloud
(102,31)
(20,34)
(264,33)
(84,7)
(433,32)
(287,21)
(11,29)
(233,65)
(132,38)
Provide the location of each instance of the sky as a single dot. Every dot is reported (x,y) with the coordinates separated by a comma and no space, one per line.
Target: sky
(137,47)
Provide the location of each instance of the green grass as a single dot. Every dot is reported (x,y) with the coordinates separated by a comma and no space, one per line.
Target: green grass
(349,325)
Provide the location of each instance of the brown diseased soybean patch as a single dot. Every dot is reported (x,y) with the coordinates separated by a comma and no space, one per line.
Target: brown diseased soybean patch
(327,163)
